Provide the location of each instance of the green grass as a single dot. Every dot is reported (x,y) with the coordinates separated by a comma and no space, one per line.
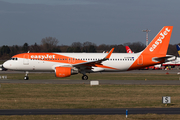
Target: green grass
(44,96)
(97,76)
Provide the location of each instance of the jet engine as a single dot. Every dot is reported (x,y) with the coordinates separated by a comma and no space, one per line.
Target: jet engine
(65,71)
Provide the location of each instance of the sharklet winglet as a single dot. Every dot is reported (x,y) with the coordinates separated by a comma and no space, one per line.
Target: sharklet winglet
(109,54)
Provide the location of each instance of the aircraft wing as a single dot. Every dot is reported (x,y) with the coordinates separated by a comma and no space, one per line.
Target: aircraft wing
(96,62)
(92,65)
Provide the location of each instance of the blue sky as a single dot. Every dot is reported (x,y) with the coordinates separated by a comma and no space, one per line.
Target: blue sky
(97,21)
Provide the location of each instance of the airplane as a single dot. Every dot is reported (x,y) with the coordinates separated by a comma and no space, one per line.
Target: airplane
(175,62)
(128,50)
(67,64)
(178,50)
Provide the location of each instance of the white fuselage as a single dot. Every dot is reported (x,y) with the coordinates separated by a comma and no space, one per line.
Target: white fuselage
(117,62)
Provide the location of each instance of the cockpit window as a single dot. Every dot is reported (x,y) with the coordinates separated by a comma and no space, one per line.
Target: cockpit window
(14,59)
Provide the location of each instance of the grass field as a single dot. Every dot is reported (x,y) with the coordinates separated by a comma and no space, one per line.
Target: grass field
(44,96)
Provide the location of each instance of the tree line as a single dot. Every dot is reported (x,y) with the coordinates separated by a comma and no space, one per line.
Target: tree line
(50,44)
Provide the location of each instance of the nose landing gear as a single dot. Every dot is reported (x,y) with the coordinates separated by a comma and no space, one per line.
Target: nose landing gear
(26,76)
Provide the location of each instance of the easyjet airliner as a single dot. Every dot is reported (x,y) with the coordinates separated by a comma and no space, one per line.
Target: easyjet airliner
(67,64)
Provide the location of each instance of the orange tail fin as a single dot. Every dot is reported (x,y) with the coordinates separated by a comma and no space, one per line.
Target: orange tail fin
(160,43)
(155,52)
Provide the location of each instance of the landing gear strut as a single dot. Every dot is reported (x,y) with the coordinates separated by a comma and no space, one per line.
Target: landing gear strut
(26,76)
(84,77)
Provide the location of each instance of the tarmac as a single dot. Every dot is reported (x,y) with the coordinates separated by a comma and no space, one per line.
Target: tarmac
(100,111)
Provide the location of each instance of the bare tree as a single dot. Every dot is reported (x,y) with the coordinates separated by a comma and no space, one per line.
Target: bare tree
(49,43)
(35,48)
(89,47)
(25,47)
(136,46)
(76,46)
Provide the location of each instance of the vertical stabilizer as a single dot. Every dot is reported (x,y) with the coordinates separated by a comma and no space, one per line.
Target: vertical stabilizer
(155,52)
(178,50)
(128,50)
(160,43)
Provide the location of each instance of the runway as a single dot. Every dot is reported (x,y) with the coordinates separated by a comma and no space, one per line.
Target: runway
(105,111)
(118,82)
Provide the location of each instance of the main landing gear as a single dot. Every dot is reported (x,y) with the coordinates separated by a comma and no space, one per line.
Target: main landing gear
(26,76)
(84,77)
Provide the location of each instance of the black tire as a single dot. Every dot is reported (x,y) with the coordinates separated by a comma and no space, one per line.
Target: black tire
(84,77)
(26,78)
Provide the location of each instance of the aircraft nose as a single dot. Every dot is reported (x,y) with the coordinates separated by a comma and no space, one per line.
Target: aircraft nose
(6,65)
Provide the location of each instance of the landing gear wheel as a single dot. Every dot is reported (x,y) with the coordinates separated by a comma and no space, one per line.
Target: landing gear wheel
(84,77)
(26,78)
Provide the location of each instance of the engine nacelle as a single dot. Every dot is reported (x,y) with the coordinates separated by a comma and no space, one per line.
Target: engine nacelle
(65,71)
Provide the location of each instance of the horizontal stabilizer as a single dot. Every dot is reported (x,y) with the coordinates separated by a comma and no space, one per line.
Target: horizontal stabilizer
(167,58)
